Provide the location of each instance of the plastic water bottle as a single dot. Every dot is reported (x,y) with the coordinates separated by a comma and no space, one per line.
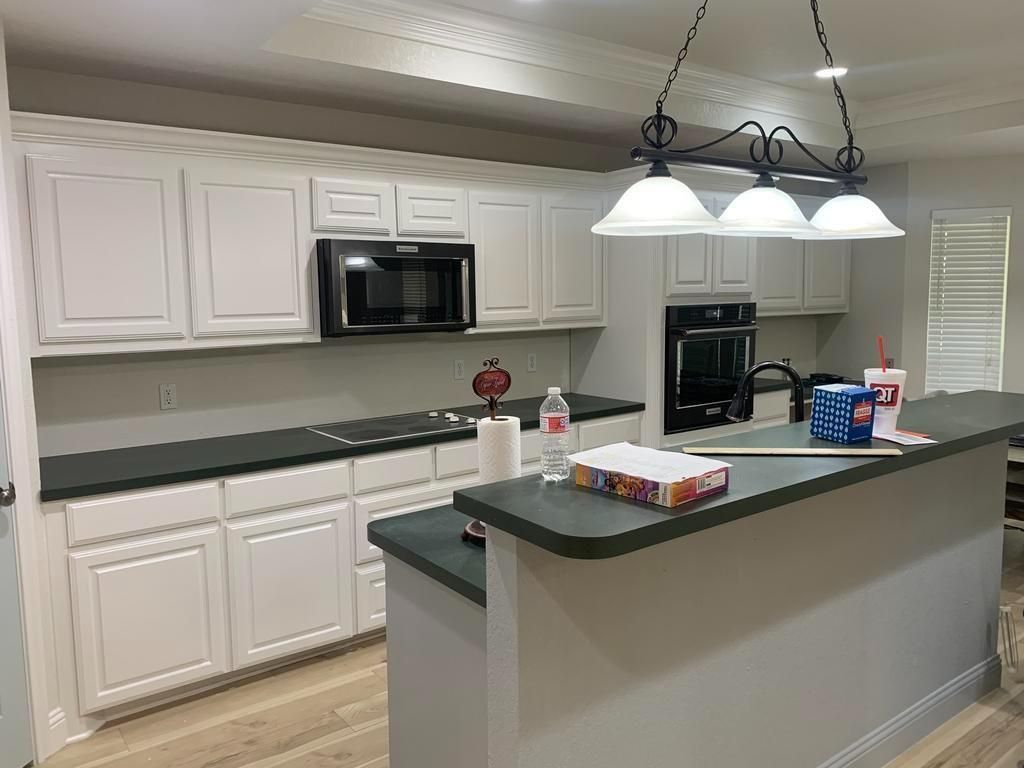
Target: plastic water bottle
(554,435)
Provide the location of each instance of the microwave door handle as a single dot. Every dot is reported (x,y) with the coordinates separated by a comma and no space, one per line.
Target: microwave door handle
(465,290)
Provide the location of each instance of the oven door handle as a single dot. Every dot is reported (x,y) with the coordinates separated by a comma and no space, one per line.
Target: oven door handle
(711,331)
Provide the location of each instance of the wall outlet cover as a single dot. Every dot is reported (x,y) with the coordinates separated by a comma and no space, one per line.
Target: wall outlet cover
(168,397)
(531,362)
(460,370)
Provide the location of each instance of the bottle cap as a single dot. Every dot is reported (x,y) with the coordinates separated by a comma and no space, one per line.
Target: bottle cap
(554,390)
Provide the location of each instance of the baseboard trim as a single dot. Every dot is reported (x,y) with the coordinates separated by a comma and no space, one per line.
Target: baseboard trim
(914,723)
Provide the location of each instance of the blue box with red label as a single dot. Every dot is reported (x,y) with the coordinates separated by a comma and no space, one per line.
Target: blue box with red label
(843,413)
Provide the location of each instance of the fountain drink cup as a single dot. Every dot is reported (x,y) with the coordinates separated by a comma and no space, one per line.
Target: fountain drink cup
(888,386)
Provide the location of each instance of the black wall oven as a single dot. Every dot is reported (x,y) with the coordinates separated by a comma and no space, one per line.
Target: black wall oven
(379,286)
(707,349)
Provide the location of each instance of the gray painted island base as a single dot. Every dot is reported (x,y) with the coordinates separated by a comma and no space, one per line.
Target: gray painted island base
(832,631)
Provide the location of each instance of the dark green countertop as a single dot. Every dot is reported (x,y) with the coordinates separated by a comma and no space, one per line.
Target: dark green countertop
(121,469)
(582,523)
(430,542)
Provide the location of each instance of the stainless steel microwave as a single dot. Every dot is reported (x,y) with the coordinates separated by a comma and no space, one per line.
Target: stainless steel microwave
(382,286)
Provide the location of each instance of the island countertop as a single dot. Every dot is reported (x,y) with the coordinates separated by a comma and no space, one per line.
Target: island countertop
(582,523)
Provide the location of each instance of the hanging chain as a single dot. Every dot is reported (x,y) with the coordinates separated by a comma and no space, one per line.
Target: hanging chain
(847,158)
(681,55)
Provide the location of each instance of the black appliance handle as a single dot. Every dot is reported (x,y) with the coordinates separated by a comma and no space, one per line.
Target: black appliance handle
(713,331)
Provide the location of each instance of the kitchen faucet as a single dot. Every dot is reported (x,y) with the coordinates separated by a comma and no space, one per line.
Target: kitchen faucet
(737,407)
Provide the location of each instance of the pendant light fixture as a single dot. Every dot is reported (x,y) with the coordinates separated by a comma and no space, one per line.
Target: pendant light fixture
(662,205)
(657,205)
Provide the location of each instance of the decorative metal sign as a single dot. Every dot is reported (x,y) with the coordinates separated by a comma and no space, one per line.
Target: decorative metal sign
(491,384)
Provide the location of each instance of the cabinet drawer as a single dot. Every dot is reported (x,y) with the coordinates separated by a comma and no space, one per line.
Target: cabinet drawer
(115,516)
(614,430)
(392,504)
(370,604)
(390,470)
(285,488)
(454,459)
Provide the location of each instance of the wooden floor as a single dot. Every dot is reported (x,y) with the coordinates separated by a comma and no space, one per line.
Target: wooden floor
(331,712)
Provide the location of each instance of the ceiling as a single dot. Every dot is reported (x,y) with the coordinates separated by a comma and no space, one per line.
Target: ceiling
(451,62)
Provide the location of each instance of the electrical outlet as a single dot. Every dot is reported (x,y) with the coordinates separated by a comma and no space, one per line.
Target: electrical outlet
(460,370)
(890,362)
(168,397)
(531,362)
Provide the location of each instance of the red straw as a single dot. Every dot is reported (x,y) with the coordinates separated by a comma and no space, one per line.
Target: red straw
(881,352)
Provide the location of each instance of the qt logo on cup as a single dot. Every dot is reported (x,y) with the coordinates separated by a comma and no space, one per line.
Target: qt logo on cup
(886,394)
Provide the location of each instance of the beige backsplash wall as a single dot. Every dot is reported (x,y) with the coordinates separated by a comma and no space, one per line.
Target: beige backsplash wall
(792,337)
(111,401)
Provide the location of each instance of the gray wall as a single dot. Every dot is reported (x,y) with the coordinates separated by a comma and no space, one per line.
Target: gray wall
(846,343)
(58,93)
(889,290)
(110,401)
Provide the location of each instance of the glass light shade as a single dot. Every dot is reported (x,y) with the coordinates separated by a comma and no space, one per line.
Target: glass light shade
(764,211)
(657,205)
(851,217)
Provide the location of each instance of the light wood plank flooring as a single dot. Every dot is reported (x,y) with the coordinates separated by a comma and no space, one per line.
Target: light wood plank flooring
(331,712)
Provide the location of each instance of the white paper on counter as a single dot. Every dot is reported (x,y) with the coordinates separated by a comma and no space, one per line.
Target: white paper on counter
(903,438)
(648,463)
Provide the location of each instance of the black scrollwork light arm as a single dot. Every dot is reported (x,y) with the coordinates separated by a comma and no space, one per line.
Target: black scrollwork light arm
(765,149)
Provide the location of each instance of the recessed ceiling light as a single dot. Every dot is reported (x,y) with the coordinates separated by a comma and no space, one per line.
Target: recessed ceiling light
(828,72)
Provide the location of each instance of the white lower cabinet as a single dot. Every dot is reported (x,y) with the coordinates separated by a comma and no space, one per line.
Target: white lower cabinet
(148,615)
(290,577)
(371,610)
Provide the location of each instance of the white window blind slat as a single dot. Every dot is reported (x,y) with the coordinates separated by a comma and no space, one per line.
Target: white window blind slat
(967,298)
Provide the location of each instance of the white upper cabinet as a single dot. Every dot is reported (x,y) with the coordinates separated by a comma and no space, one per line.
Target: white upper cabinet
(505,227)
(354,207)
(827,275)
(689,261)
(432,212)
(106,239)
(780,275)
(735,268)
(250,252)
(573,258)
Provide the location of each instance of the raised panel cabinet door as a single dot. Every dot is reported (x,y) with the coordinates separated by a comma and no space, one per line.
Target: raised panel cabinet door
(148,615)
(735,269)
(290,576)
(688,261)
(780,275)
(827,275)
(573,279)
(505,227)
(371,606)
(432,212)
(250,252)
(107,248)
(354,207)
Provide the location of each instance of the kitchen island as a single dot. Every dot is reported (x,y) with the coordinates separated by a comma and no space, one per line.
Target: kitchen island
(823,612)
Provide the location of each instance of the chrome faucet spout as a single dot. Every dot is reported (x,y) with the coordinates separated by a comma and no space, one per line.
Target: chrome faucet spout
(738,406)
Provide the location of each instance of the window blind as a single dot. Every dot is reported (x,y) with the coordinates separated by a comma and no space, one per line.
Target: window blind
(967,299)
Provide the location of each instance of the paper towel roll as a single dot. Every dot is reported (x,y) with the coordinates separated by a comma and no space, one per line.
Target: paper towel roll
(500,451)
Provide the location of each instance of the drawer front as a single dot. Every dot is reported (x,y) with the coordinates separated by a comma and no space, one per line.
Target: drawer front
(285,488)
(454,459)
(614,430)
(391,504)
(531,445)
(124,515)
(391,470)
(370,604)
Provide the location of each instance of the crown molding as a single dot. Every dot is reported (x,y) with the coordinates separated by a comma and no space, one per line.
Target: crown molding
(947,99)
(436,24)
(30,127)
